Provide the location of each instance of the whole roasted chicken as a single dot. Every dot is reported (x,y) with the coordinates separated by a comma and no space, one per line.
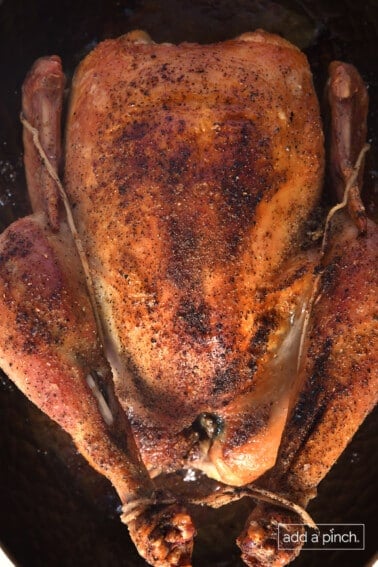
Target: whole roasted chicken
(169,303)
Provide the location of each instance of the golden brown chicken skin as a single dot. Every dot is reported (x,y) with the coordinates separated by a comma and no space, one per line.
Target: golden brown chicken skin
(191,170)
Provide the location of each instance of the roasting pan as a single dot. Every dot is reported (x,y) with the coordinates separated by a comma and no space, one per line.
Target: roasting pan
(56,511)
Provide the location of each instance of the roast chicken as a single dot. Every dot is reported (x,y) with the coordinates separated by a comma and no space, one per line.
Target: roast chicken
(168,303)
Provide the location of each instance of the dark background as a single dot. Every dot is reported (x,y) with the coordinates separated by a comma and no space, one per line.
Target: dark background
(54,509)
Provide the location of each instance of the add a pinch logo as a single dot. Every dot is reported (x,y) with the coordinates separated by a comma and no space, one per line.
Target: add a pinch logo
(326,536)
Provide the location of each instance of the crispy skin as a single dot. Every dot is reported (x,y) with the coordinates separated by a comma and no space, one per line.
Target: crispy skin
(339,388)
(191,170)
(341,361)
(49,346)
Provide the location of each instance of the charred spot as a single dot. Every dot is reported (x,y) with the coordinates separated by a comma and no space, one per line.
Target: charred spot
(307,407)
(134,131)
(141,162)
(243,170)
(329,273)
(178,163)
(181,126)
(154,148)
(302,411)
(289,281)
(183,248)
(260,338)
(225,381)
(251,425)
(321,361)
(16,246)
(309,419)
(34,329)
(238,195)
(252,365)
(258,343)
(195,317)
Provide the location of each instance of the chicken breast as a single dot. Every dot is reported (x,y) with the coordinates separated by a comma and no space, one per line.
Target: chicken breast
(191,170)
